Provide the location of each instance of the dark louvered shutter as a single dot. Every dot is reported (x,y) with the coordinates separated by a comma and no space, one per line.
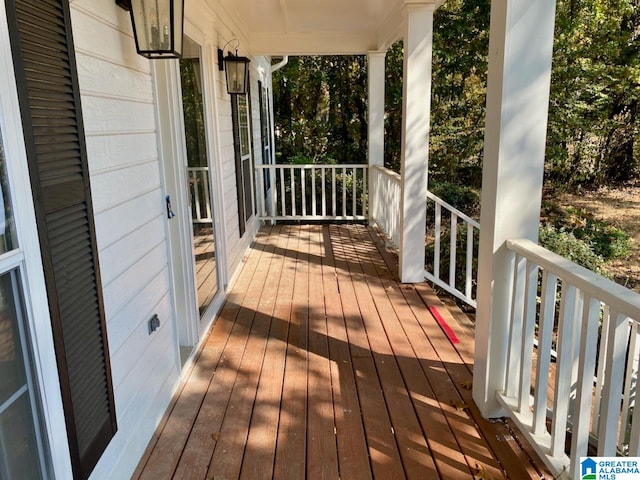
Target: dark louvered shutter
(45,67)
(246,186)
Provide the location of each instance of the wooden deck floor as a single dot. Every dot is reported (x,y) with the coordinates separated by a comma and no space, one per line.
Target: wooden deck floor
(322,366)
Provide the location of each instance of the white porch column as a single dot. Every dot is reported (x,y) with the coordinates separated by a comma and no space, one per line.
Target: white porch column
(375,118)
(416,113)
(520,49)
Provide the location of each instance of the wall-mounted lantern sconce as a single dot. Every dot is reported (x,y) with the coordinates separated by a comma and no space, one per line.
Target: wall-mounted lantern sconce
(236,70)
(157,26)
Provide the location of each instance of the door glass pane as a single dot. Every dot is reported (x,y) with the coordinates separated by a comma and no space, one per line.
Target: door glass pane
(199,178)
(7,228)
(20,447)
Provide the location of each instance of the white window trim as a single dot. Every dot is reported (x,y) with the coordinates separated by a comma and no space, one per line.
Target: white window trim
(35,294)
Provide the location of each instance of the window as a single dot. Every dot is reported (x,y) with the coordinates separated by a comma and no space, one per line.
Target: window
(49,96)
(241,117)
(21,448)
(265,133)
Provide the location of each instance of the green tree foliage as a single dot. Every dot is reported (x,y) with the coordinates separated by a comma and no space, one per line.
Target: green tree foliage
(595,88)
(461,42)
(393,107)
(593,134)
(320,109)
(194,127)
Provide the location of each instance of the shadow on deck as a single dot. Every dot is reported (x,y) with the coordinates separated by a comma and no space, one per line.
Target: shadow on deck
(322,366)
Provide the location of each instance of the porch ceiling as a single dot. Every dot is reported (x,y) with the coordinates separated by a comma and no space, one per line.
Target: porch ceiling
(308,27)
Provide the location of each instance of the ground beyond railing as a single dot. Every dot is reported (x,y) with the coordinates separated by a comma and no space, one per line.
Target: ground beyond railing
(313,192)
(451,247)
(593,325)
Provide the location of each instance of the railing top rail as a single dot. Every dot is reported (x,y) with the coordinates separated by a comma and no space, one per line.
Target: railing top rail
(308,166)
(623,300)
(386,171)
(202,169)
(453,209)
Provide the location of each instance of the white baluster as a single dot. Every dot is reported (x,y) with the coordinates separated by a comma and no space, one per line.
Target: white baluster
(545,332)
(436,247)
(609,418)
(584,388)
(516,328)
(529,324)
(469,266)
(453,251)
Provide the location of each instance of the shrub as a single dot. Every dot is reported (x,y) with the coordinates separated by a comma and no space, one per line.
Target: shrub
(465,199)
(605,240)
(569,246)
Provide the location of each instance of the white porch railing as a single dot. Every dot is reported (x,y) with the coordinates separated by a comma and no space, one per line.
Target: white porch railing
(461,268)
(314,192)
(586,394)
(385,188)
(199,194)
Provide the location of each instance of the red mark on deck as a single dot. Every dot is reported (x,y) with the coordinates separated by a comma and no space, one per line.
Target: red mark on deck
(443,324)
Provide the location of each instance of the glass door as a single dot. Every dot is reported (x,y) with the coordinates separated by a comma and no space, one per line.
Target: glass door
(21,440)
(199,177)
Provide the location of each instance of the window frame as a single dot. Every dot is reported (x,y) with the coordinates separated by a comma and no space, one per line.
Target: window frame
(62,198)
(26,258)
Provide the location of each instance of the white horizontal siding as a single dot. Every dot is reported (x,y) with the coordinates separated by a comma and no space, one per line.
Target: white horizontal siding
(116,222)
(115,187)
(104,32)
(114,115)
(118,294)
(113,151)
(118,257)
(120,125)
(128,195)
(130,367)
(108,82)
(120,459)
(121,331)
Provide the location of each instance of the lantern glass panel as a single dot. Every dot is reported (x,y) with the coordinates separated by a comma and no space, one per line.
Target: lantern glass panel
(236,75)
(177,25)
(158,27)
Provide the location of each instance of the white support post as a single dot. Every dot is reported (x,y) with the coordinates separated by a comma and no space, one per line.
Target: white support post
(375,118)
(416,106)
(520,51)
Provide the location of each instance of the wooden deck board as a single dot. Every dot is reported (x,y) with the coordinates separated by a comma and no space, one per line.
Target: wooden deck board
(353,457)
(167,444)
(409,339)
(227,459)
(260,449)
(322,453)
(383,449)
(321,366)
(290,461)
(416,458)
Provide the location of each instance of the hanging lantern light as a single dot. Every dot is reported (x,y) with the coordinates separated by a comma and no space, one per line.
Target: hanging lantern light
(236,70)
(157,26)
